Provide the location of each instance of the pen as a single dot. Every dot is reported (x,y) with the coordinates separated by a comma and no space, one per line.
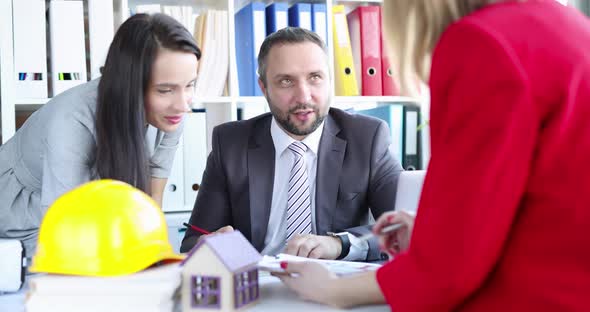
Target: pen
(385,230)
(196,228)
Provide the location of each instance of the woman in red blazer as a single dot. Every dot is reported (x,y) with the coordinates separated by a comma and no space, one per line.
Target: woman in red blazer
(504,217)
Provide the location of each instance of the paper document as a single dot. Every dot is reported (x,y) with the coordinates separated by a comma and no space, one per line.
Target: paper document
(341,268)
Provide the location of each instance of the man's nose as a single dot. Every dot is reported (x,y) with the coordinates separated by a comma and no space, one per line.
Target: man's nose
(303,93)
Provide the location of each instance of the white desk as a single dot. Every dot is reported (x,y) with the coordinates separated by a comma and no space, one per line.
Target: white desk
(273,294)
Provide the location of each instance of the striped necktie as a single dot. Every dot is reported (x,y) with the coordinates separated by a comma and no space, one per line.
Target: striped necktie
(298,201)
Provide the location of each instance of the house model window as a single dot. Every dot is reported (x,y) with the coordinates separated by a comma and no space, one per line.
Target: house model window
(205,291)
(246,287)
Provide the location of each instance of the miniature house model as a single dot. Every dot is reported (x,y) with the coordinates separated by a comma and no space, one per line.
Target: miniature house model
(220,274)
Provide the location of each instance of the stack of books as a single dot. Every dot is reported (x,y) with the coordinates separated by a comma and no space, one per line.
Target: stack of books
(154,289)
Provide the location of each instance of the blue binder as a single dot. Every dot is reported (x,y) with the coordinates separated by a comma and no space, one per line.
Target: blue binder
(276,17)
(393,115)
(250,24)
(300,15)
(319,20)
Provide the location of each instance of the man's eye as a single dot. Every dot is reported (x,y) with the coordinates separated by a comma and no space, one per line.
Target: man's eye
(286,82)
(164,91)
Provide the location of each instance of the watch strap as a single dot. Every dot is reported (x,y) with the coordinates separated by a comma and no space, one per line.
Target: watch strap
(345,244)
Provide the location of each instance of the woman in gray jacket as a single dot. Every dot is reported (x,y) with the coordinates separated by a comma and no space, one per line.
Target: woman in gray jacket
(98,129)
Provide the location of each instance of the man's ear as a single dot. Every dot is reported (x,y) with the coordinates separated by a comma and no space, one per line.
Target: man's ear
(261,85)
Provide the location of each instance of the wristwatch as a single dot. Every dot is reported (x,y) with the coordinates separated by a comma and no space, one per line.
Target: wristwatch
(343,236)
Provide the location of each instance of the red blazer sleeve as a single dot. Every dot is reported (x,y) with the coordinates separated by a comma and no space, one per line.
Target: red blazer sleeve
(484,129)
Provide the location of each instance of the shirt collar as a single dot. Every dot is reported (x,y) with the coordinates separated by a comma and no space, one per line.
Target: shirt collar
(282,140)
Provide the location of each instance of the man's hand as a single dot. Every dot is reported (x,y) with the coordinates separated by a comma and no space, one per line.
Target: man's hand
(225,229)
(314,246)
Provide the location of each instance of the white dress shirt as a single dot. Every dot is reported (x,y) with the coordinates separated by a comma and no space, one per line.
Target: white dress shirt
(276,232)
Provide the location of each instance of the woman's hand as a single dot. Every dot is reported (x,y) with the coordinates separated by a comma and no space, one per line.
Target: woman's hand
(311,281)
(398,240)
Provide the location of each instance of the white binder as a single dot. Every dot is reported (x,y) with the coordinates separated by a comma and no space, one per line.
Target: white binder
(101,30)
(251,110)
(319,20)
(30,56)
(173,197)
(212,30)
(195,155)
(68,53)
(148,8)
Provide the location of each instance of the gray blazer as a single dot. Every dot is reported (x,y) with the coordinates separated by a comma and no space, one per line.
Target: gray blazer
(54,152)
(355,172)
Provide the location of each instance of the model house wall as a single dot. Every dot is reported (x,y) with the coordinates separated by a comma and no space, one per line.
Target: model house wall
(220,274)
(205,262)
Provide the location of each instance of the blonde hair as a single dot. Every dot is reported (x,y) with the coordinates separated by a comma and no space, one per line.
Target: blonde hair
(412,29)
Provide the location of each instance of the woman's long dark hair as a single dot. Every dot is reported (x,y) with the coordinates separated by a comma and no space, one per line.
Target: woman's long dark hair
(120,116)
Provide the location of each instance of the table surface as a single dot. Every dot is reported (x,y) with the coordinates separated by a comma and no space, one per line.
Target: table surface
(273,295)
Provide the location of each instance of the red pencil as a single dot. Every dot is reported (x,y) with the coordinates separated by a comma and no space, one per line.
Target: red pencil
(196,228)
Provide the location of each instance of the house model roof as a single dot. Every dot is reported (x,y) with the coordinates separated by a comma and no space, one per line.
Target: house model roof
(232,249)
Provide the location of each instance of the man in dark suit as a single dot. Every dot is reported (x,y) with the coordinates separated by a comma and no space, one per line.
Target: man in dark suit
(289,178)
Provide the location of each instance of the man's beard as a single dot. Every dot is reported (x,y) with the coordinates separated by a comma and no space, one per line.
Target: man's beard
(289,126)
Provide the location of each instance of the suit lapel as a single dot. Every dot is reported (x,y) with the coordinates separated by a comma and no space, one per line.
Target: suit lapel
(330,157)
(261,165)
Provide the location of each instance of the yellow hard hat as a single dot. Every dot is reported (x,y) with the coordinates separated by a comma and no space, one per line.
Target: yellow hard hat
(102,228)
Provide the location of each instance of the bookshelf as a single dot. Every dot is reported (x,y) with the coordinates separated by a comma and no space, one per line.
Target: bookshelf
(218,109)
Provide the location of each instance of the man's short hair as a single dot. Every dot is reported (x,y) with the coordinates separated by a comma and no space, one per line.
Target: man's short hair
(285,36)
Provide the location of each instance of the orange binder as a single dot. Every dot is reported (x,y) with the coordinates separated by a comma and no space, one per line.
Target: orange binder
(364,26)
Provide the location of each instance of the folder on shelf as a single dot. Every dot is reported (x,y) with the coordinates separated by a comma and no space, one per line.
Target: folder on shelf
(300,15)
(173,196)
(250,29)
(276,17)
(30,58)
(212,37)
(364,26)
(195,154)
(67,45)
(101,29)
(147,9)
(203,30)
(182,13)
(199,31)
(319,20)
(412,151)
(344,73)
(393,115)
(221,65)
(388,69)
